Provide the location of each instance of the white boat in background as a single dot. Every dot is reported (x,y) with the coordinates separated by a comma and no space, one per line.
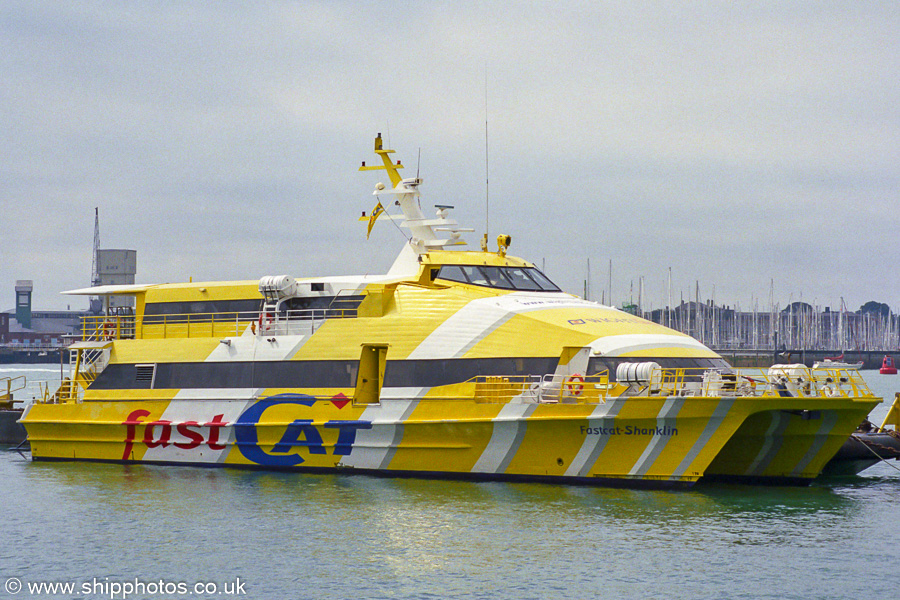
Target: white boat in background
(836,362)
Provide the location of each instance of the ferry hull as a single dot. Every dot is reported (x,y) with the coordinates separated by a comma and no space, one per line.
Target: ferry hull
(627,441)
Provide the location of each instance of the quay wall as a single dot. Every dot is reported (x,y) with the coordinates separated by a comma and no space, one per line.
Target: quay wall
(11,432)
(50,355)
(766,357)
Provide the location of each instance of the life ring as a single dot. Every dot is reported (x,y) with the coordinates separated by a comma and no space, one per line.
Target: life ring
(575,384)
(267,321)
(108,330)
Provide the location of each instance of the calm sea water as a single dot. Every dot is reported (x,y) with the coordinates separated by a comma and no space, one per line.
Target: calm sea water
(242,534)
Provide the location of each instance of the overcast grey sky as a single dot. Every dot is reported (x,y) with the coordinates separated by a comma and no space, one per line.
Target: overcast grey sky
(736,143)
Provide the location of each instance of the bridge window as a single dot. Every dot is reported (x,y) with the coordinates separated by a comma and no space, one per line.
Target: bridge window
(526,279)
(521,281)
(496,278)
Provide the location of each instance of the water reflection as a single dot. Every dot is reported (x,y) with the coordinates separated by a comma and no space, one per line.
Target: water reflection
(130,487)
(411,538)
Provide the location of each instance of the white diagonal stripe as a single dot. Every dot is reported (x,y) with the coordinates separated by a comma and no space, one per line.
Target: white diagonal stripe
(509,429)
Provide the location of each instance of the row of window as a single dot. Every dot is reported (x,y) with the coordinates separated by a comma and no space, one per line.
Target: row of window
(342,373)
(205,307)
(297,308)
(309,373)
(29,341)
(526,279)
(338,305)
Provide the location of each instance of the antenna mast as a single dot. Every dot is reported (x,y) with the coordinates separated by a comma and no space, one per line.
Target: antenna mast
(487,198)
(95,266)
(94,301)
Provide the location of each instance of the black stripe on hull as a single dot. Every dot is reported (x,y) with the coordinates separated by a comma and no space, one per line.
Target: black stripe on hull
(300,374)
(767,481)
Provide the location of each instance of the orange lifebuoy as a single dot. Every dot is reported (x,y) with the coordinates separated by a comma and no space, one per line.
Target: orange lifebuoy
(267,320)
(575,384)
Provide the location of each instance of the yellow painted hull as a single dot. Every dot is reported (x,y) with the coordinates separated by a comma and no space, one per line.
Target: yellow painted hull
(454,363)
(632,441)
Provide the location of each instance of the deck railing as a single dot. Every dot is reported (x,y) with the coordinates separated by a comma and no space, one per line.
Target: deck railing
(575,389)
(778,381)
(8,386)
(222,324)
(301,321)
(24,391)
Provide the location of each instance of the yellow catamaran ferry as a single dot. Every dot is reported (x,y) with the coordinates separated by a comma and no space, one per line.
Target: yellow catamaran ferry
(453,364)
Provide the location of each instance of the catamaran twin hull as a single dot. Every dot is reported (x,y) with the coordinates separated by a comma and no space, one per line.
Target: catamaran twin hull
(629,441)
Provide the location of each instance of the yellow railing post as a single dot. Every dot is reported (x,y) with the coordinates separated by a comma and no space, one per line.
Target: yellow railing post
(893,416)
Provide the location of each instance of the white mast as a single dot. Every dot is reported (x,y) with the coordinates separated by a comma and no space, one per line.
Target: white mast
(405,193)
(669,307)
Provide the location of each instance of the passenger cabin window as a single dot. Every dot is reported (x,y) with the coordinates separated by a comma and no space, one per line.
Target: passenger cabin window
(316,307)
(200,310)
(526,279)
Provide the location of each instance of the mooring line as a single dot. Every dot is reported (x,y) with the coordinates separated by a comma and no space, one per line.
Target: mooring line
(872,450)
(18,448)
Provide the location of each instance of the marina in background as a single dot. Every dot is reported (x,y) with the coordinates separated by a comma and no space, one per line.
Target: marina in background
(799,332)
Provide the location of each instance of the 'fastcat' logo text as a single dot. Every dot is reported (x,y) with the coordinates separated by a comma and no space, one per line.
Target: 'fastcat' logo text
(158,434)
(300,436)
